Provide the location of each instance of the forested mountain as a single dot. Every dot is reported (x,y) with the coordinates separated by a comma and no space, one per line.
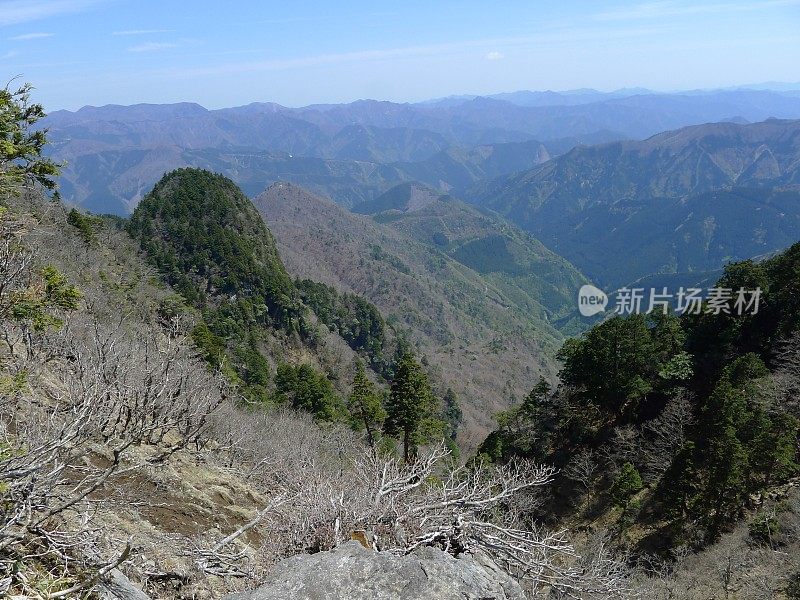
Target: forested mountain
(354,152)
(681,201)
(192,395)
(514,262)
(482,320)
(675,430)
(131,467)
(115,180)
(209,244)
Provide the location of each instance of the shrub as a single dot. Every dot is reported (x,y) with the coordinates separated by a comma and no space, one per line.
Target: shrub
(764,528)
(793,589)
(627,483)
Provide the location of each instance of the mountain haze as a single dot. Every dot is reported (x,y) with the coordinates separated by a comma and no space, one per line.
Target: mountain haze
(354,152)
(684,200)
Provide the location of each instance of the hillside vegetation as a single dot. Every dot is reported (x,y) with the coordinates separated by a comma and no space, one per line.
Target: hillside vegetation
(536,280)
(181,411)
(132,458)
(678,431)
(481,329)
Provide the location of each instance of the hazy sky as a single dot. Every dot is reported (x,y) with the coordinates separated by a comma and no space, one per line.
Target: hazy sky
(226,53)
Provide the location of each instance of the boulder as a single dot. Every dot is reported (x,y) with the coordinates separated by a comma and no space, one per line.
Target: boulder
(116,586)
(352,572)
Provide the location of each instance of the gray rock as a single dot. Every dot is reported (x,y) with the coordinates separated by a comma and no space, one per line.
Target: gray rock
(118,587)
(352,572)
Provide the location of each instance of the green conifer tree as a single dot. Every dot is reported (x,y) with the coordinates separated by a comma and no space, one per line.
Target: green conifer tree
(627,483)
(453,414)
(365,405)
(22,144)
(410,408)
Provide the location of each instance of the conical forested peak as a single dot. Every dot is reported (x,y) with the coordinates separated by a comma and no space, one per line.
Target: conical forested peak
(193,200)
(204,234)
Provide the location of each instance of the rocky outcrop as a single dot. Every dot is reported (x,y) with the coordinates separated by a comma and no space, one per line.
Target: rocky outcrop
(116,586)
(353,572)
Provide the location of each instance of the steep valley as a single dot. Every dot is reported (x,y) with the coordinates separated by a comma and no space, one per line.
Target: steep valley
(485,334)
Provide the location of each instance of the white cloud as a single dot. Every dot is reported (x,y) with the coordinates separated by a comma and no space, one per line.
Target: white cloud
(141,31)
(31,36)
(8,55)
(152,47)
(494,55)
(672,8)
(13,12)
(280,64)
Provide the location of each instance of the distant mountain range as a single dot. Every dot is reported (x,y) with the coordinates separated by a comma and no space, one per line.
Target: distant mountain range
(681,201)
(589,95)
(675,206)
(355,152)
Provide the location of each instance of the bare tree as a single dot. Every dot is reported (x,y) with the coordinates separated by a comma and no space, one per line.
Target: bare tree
(665,435)
(325,490)
(77,398)
(784,391)
(582,469)
(625,447)
(598,573)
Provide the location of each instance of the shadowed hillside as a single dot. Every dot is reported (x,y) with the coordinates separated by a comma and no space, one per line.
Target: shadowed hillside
(685,200)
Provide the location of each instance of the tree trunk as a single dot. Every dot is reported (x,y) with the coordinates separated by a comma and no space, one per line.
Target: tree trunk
(370,435)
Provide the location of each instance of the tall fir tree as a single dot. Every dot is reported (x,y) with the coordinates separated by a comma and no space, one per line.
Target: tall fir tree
(724,492)
(365,405)
(677,487)
(411,406)
(453,415)
(22,143)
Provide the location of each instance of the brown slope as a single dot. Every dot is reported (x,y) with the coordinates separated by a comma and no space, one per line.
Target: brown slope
(472,337)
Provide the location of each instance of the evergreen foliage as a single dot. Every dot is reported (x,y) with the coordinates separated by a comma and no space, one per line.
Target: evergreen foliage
(22,144)
(739,438)
(365,406)
(304,388)
(206,237)
(211,245)
(41,303)
(627,483)
(85,225)
(452,413)
(619,362)
(411,408)
(355,319)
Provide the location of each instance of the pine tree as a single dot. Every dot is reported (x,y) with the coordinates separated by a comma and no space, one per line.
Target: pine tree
(533,405)
(678,485)
(774,450)
(365,405)
(22,143)
(612,366)
(410,409)
(453,414)
(307,390)
(727,469)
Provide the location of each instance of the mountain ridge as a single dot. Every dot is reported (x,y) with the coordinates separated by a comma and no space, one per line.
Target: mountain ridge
(584,203)
(382,133)
(485,343)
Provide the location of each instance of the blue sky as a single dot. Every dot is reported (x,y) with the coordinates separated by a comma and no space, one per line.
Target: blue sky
(79,52)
